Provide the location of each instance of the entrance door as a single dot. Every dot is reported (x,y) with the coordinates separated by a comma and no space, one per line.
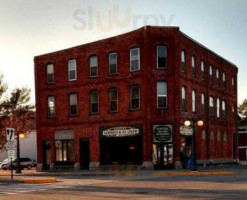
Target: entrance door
(46,153)
(84,153)
(163,156)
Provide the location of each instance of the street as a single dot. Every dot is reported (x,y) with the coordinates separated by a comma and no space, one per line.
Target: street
(130,185)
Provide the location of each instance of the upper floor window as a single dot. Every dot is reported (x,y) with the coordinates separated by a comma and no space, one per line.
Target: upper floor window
(223,109)
(183,61)
(218,107)
(224,79)
(93,62)
(50,73)
(51,106)
(202,70)
(161,94)
(94,102)
(113,63)
(134,59)
(211,73)
(233,112)
(217,74)
(233,84)
(193,101)
(211,106)
(113,100)
(72,70)
(161,57)
(203,103)
(72,104)
(184,102)
(193,67)
(135,97)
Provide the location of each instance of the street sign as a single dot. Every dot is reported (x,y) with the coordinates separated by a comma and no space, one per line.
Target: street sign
(11,155)
(10,145)
(10,134)
(186,131)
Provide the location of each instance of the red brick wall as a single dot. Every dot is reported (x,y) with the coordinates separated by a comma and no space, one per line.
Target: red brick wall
(147,38)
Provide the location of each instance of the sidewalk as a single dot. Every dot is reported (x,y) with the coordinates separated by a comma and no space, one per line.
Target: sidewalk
(32,176)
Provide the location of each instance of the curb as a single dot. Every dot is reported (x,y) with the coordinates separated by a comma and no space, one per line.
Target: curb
(195,173)
(38,181)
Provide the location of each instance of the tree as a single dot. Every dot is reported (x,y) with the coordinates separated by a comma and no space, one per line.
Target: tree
(242,109)
(15,111)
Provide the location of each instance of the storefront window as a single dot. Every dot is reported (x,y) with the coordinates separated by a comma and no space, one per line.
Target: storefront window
(65,151)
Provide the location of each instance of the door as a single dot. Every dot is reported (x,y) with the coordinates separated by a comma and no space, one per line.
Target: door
(46,154)
(84,153)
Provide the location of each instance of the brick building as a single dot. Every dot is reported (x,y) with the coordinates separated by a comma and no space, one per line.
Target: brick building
(122,101)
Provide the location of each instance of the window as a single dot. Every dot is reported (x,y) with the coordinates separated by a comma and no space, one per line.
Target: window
(217,74)
(93,62)
(50,73)
(193,101)
(161,94)
(73,104)
(223,108)
(233,84)
(134,59)
(218,108)
(225,137)
(113,100)
(211,74)
(72,70)
(211,106)
(183,61)
(203,103)
(218,136)
(135,97)
(233,112)
(224,79)
(113,63)
(65,150)
(94,102)
(193,67)
(211,135)
(184,102)
(202,71)
(51,106)
(161,57)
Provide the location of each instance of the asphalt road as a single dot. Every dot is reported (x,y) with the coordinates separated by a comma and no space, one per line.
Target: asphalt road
(140,186)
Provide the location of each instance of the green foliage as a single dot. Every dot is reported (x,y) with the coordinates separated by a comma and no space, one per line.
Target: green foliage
(242,109)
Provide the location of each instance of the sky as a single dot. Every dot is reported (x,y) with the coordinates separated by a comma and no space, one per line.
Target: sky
(34,27)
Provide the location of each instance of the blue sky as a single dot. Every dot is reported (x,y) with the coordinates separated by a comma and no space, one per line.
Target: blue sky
(33,27)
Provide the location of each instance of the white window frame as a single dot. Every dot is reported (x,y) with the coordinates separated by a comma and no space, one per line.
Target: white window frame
(157,56)
(162,95)
(218,108)
(76,95)
(112,53)
(90,67)
(183,59)
(47,73)
(139,96)
(48,104)
(193,96)
(69,69)
(132,59)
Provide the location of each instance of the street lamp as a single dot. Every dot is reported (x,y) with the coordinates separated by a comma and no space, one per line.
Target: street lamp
(193,153)
(18,166)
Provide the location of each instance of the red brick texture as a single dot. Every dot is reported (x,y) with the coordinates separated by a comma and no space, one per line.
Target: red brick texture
(146,38)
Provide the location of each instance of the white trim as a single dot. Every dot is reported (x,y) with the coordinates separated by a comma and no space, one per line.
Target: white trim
(242,147)
(138,59)
(72,70)
(111,53)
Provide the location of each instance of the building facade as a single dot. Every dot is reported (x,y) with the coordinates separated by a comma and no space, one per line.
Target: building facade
(123,100)
(242,141)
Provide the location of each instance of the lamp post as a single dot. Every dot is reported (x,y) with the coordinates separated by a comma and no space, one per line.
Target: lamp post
(193,143)
(18,166)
